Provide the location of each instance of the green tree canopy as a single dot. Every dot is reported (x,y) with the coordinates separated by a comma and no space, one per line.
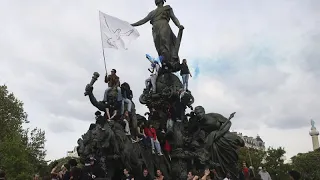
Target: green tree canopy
(252,157)
(275,163)
(22,151)
(308,164)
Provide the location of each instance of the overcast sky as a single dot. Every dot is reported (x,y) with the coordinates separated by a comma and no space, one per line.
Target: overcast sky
(258,58)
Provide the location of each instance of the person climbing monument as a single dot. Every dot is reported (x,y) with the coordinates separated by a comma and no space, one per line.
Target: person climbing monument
(126,97)
(151,133)
(113,82)
(185,73)
(153,77)
(126,120)
(114,108)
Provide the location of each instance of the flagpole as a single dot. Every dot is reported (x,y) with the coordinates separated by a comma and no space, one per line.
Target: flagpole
(104,58)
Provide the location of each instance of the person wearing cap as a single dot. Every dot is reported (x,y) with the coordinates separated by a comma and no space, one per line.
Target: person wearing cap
(155,67)
(294,175)
(92,170)
(251,171)
(113,82)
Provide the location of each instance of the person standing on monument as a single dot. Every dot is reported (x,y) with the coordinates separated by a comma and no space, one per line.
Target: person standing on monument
(153,77)
(113,82)
(185,73)
(151,133)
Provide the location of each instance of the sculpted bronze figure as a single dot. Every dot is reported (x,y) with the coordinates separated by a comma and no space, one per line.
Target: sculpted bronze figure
(197,140)
(165,41)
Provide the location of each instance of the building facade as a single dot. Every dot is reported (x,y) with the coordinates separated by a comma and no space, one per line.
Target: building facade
(251,142)
(73,153)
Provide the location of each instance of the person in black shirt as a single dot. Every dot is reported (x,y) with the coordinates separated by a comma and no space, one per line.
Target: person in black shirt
(112,107)
(92,170)
(66,175)
(185,73)
(146,175)
(126,97)
(127,175)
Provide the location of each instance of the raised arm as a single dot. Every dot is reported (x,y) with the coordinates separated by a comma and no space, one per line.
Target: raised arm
(143,21)
(174,19)
(223,131)
(106,78)
(100,105)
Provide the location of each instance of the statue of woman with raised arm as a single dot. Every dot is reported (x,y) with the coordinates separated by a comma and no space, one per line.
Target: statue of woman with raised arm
(164,39)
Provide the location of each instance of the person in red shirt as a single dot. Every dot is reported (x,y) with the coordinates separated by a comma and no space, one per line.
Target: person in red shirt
(167,149)
(245,171)
(151,133)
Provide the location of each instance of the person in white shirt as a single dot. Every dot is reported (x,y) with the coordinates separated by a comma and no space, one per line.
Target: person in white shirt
(227,177)
(153,77)
(264,174)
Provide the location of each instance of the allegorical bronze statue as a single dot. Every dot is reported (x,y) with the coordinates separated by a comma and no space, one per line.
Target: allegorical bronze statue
(198,140)
(221,144)
(165,41)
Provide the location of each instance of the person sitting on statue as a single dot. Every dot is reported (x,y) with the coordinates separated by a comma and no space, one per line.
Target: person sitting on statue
(185,73)
(126,97)
(113,82)
(150,132)
(99,118)
(155,67)
(141,134)
(114,107)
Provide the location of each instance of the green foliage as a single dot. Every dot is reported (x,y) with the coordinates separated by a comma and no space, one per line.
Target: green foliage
(252,157)
(275,163)
(308,164)
(21,151)
(272,159)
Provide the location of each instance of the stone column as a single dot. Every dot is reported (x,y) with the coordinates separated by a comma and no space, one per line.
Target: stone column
(314,133)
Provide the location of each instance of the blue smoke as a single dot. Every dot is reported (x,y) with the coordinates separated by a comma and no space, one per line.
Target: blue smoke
(196,71)
(159,59)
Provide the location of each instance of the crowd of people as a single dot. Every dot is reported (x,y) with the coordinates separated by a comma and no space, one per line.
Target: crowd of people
(262,174)
(90,171)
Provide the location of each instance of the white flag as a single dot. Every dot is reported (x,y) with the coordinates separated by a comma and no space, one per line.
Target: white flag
(116,33)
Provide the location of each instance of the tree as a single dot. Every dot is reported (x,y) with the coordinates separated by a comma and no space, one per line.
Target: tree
(307,164)
(252,157)
(21,151)
(275,163)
